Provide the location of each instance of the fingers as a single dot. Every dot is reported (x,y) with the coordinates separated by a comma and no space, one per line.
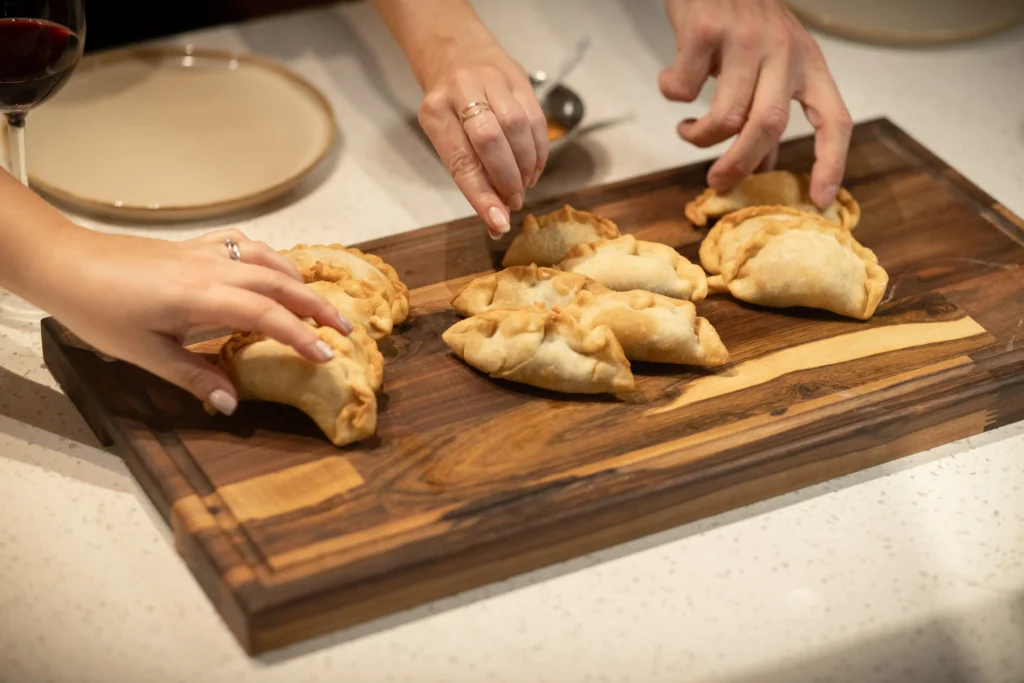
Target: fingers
(255,253)
(453,146)
(734,92)
(492,148)
(683,81)
(769,116)
(516,127)
(769,161)
(261,254)
(824,108)
(169,361)
(301,300)
(246,310)
(538,128)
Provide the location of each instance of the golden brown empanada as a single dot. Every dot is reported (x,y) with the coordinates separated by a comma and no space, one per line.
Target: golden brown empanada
(543,348)
(337,395)
(626,263)
(730,234)
(327,261)
(814,265)
(774,188)
(522,286)
(652,327)
(359,302)
(545,240)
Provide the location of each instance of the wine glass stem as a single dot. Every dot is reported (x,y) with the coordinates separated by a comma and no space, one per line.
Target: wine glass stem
(16,137)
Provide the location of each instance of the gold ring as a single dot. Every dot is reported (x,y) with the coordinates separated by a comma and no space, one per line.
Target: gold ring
(472,109)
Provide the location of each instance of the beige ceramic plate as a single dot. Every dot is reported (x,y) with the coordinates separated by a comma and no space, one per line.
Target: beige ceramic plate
(177,133)
(910,22)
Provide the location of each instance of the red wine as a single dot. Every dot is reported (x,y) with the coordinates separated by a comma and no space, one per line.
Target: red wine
(36,59)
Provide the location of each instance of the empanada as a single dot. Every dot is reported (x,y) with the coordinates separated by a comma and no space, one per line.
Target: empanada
(814,265)
(626,263)
(731,233)
(545,240)
(340,262)
(543,348)
(338,395)
(359,302)
(652,327)
(774,188)
(522,286)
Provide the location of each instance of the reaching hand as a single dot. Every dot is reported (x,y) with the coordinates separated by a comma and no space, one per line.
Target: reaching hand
(762,58)
(137,298)
(482,117)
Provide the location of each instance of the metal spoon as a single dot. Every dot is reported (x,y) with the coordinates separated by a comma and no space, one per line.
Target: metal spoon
(568,64)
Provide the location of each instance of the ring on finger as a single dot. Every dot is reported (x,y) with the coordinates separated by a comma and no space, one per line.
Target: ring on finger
(473,109)
(234,253)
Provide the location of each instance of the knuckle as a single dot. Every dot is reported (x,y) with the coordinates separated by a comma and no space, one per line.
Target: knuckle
(487,135)
(463,164)
(747,40)
(844,122)
(432,106)
(773,120)
(706,31)
(514,119)
(731,121)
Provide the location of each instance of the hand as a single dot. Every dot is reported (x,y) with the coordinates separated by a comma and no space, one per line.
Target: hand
(137,298)
(498,151)
(762,58)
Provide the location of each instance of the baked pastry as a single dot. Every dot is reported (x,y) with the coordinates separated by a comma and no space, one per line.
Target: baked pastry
(359,302)
(338,395)
(544,348)
(523,286)
(626,263)
(334,261)
(652,327)
(814,264)
(729,235)
(776,188)
(545,240)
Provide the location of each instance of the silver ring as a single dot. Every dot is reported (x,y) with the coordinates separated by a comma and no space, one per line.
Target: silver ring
(233,250)
(473,109)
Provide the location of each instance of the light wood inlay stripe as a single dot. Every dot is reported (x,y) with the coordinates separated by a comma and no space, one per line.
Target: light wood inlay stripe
(298,487)
(697,446)
(819,354)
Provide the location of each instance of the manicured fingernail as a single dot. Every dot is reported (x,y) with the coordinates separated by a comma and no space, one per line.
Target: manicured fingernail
(342,323)
(322,351)
(516,202)
(223,402)
(498,220)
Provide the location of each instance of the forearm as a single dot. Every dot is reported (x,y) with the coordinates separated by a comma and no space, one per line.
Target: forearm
(429,31)
(29,229)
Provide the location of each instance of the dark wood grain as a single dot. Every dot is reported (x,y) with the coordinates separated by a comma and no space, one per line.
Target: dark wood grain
(469,480)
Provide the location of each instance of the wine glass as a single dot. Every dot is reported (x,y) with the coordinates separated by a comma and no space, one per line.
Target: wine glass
(41,42)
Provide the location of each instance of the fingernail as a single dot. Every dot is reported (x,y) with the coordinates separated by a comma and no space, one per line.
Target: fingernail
(342,323)
(498,220)
(223,402)
(517,201)
(322,351)
(689,120)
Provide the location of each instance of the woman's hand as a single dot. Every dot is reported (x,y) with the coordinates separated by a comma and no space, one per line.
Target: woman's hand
(478,109)
(762,58)
(482,117)
(137,298)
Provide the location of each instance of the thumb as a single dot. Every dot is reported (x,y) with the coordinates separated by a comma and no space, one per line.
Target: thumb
(168,360)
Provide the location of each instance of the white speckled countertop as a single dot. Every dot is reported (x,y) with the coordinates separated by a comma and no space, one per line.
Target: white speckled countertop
(913,571)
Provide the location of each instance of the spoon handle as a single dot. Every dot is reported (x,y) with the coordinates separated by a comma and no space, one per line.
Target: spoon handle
(567,65)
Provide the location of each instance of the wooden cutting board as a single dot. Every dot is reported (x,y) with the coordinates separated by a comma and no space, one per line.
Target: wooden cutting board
(470,480)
